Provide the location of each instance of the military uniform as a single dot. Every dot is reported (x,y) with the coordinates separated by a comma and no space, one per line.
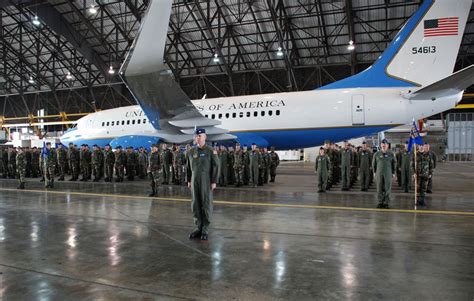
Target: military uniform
(274,161)
(28,167)
(238,167)
(322,167)
(354,166)
(2,167)
(35,163)
(21,168)
(62,160)
(223,167)
(167,157)
(11,163)
(403,163)
(423,172)
(97,159)
(384,166)
(179,161)
(230,167)
(142,163)
(49,166)
(74,158)
(246,167)
(132,162)
(202,171)
(346,158)
(263,171)
(120,162)
(255,162)
(85,161)
(429,188)
(365,161)
(109,160)
(155,170)
(5,163)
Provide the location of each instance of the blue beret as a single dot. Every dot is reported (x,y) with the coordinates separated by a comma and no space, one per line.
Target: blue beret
(200,131)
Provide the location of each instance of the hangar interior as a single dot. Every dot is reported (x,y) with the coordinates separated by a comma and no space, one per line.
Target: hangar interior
(61,60)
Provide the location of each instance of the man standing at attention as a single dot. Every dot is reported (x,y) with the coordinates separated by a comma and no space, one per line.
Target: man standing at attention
(202,171)
(384,167)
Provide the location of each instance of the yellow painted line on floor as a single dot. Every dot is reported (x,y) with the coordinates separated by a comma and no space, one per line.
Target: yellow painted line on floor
(252,204)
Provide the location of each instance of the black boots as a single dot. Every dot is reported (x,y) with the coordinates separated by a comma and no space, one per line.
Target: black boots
(153,192)
(21,186)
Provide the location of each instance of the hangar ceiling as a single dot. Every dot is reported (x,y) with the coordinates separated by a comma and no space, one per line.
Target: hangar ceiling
(63,62)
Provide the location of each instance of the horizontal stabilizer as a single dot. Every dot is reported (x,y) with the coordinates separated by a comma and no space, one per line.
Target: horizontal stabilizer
(194,122)
(451,85)
(209,131)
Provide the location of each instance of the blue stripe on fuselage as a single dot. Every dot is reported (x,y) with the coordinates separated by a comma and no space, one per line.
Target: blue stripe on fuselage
(293,139)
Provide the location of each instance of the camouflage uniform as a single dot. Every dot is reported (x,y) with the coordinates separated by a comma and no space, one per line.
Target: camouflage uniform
(179,160)
(97,159)
(132,162)
(155,171)
(109,160)
(85,160)
(263,170)
(142,163)
(238,167)
(120,162)
(35,163)
(223,167)
(74,155)
(423,171)
(429,188)
(12,163)
(5,163)
(21,168)
(255,163)
(246,167)
(167,158)
(2,168)
(62,160)
(28,167)
(230,167)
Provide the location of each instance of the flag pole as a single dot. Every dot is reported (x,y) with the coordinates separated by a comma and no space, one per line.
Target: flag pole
(416,182)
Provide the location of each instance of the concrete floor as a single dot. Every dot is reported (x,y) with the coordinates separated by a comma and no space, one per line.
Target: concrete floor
(86,241)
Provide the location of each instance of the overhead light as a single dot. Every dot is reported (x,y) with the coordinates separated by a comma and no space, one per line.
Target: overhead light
(92,9)
(31,80)
(69,76)
(216,58)
(111,70)
(279,52)
(351,45)
(36,21)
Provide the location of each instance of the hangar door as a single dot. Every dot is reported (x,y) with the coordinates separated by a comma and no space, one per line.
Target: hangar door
(358,112)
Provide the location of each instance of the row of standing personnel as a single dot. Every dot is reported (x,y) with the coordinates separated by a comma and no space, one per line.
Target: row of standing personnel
(239,166)
(350,164)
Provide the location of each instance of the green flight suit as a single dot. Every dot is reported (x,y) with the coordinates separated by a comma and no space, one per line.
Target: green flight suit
(254,167)
(167,157)
(223,168)
(429,188)
(365,161)
(403,162)
(322,167)
(384,166)
(346,158)
(202,171)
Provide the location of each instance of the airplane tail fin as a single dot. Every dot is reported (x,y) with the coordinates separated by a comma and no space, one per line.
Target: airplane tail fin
(423,52)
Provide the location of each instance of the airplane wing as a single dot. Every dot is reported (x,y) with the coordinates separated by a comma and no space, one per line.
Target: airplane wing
(152,84)
(453,84)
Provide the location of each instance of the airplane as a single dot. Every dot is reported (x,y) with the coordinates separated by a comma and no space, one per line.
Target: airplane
(412,79)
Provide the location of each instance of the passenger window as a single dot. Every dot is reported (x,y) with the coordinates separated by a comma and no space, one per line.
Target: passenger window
(139,121)
(248,114)
(234,115)
(270,113)
(262,113)
(103,123)
(277,112)
(220,116)
(213,116)
(133,121)
(207,116)
(108,123)
(117,123)
(123,122)
(255,114)
(227,115)
(241,114)
(128,122)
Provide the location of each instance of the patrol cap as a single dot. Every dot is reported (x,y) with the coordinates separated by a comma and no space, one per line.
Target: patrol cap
(254,143)
(200,131)
(119,146)
(364,142)
(385,141)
